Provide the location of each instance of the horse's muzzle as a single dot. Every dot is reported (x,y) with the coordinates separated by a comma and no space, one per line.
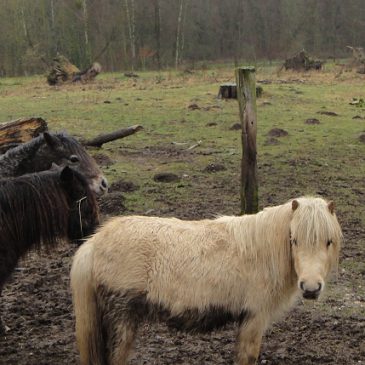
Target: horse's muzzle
(310,293)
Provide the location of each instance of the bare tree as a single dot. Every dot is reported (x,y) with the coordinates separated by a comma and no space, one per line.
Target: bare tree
(132,29)
(158,32)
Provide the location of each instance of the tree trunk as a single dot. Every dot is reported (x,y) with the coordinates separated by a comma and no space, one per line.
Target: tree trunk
(246,92)
(20,131)
(158,33)
(131,30)
(178,33)
(86,34)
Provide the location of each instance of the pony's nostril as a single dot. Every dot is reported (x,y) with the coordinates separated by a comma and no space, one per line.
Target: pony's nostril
(319,286)
(301,285)
(104,184)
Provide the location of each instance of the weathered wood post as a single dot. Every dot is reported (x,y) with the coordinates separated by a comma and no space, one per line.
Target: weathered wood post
(246,95)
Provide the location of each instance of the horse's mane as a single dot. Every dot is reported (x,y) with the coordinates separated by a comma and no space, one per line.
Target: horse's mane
(265,236)
(34,209)
(73,145)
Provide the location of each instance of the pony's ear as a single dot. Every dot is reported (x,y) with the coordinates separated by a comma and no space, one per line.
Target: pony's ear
(67,174)
(331,207)
(50,140)
(294,204)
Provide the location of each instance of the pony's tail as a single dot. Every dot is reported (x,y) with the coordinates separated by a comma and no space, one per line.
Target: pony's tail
(88,325)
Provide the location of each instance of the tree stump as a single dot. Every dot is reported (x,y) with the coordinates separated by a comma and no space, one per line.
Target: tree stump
(229,91)
(20,131)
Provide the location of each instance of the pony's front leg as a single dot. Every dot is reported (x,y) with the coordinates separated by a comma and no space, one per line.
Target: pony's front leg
(249,341)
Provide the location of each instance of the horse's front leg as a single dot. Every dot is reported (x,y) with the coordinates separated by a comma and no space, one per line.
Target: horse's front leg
(249,341)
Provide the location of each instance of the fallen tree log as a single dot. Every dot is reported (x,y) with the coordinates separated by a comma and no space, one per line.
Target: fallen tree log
(302,62)
(89,74)
(98,141)
(20,131)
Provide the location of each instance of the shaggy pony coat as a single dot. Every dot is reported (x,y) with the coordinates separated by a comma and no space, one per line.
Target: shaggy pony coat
(199,275)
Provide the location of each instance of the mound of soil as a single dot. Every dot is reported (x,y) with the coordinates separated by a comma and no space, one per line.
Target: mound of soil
(271,141)
(235,127)
(278,132)
(123,186)
(166,177)
(215,167)
(112,204)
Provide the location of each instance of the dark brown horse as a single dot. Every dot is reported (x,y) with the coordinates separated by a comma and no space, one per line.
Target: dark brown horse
(41,209)
(40,153)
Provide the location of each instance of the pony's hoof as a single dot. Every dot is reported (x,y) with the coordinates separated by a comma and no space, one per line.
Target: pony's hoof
(3,329)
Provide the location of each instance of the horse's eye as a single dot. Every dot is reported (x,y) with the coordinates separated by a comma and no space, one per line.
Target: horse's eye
(329,242)
(293,241)
(74,159)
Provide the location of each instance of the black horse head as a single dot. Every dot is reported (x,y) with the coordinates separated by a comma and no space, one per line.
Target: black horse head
(53,148)
(83,217)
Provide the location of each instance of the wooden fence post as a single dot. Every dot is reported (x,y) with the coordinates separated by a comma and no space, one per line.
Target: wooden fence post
(246,96)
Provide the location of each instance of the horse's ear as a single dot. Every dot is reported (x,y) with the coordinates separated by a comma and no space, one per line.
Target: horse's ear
(294,204)
(54,167)
(67,174)
(50,140)
(331,207)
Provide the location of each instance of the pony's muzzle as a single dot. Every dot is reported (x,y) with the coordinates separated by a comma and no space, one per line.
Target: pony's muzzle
(310,291)
(100,186)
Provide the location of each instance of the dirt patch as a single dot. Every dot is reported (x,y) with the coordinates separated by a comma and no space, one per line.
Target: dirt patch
(331,114)
(215,167)
(36,304)
(312,121)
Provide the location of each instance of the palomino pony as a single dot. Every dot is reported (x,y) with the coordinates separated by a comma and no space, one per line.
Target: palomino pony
(42,209)
(52,148)
(199,275)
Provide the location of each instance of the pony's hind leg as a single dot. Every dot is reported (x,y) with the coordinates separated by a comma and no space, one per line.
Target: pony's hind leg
(119,322)
(123,342)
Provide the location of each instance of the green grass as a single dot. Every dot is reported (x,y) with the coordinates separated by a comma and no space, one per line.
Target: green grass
(159,101)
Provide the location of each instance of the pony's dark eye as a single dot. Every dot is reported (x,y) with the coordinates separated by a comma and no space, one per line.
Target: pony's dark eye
(329,242)
(293,241)
(74,159)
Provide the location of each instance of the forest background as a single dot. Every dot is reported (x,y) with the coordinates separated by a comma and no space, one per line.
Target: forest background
(156,34)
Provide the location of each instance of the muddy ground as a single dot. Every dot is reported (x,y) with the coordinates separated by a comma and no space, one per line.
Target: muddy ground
(38,312)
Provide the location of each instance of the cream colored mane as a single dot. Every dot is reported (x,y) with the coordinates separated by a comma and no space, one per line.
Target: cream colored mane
(265,236)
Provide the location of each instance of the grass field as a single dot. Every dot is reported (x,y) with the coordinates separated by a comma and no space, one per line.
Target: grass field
(326,159)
